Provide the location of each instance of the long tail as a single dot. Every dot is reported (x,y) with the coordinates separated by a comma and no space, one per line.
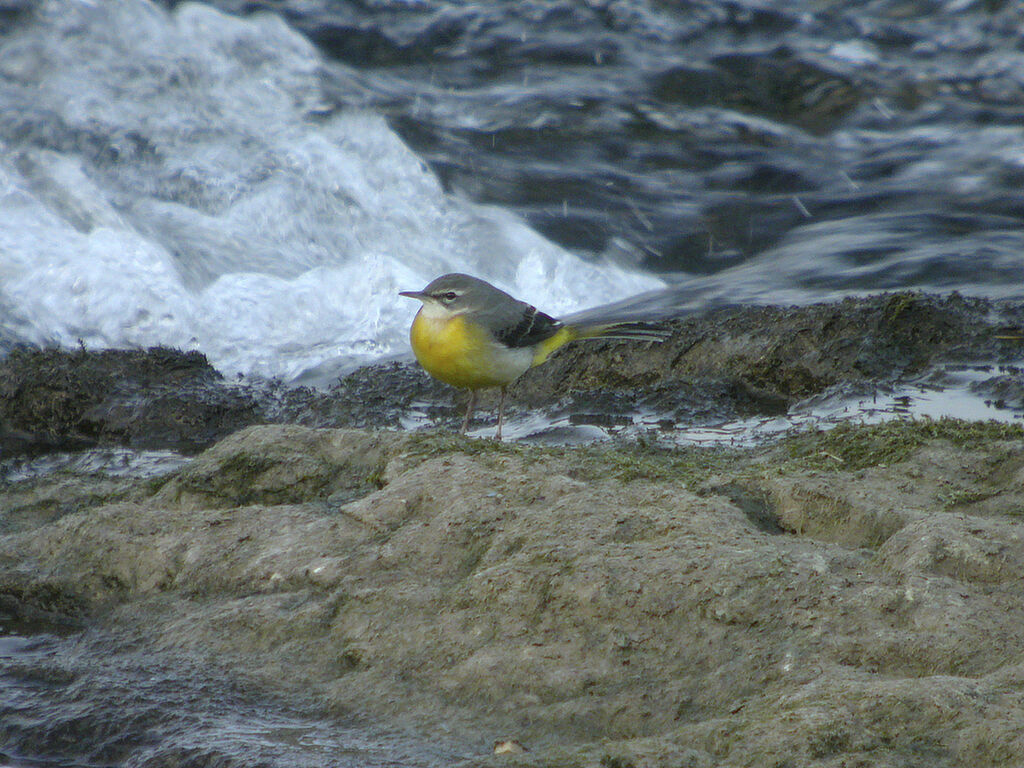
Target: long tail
(632,330)
(635,330)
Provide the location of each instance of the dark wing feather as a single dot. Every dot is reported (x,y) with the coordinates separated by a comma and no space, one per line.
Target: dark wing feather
(533,327)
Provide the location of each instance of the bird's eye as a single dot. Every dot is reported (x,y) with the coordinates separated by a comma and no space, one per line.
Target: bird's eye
(449,297)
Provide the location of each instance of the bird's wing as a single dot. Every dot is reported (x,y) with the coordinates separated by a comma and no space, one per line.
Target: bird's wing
(523,326)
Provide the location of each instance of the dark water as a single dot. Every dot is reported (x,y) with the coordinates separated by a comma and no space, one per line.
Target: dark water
(74,697)
(829,147)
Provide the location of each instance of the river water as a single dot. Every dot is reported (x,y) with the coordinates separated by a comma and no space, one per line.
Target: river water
(258,179)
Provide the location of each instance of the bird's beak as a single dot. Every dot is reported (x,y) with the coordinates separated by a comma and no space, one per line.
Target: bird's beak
(414,295)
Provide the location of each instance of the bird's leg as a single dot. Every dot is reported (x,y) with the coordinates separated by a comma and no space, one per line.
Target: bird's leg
(501,414)
(469,411)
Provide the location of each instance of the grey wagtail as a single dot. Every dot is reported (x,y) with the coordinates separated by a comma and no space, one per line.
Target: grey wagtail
(472,335)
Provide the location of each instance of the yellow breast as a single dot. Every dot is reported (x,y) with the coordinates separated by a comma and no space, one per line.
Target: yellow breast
(454,351)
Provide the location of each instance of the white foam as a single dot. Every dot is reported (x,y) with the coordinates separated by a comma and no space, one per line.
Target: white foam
(107,287)
(174,178)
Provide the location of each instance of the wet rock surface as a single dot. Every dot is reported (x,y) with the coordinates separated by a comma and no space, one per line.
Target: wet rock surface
(782,354)
(68,400)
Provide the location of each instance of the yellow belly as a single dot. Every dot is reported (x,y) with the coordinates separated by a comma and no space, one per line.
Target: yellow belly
(458,354)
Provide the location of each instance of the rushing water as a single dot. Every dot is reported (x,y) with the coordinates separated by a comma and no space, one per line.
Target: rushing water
(259,186)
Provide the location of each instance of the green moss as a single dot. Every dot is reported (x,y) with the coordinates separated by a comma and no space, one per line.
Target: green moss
(964,496)
(375,479)
(898,303)
(686,465)
(430,443)
(620,461)
(857,446)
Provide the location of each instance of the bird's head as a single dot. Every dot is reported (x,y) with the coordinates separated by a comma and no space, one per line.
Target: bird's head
(454,294)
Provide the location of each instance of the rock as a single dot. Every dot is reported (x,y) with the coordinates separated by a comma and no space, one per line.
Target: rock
(609,605)
(158,398)
(961,547)
(280,465)
(789,353)
(508,747)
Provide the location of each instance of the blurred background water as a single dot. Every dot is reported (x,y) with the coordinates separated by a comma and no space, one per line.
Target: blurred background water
(256,179)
